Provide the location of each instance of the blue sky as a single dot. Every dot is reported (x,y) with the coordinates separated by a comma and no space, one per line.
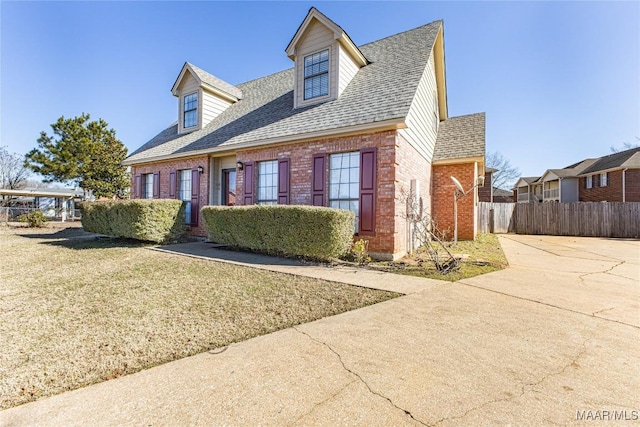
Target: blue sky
(559,81)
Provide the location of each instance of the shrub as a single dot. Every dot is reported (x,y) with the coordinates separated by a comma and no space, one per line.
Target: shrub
(359,252)
(308,231)
(34,219)
(154,220)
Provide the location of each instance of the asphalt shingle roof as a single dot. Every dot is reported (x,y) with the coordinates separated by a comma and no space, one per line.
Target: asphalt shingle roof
(382,90)
(216,82)
(624,159)
(460,137)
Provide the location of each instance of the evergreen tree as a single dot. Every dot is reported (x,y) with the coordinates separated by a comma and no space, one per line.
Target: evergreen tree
(84,152)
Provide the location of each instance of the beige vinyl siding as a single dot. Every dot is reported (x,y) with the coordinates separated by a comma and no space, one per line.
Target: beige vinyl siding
(212,106)
(317,37)
(420,132)
(188,86)
(347,68)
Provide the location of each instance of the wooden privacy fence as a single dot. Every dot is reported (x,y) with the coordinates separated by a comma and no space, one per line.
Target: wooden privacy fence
(496,217)
(589,219)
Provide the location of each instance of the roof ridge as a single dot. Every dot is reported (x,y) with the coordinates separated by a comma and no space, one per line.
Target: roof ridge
(401,32)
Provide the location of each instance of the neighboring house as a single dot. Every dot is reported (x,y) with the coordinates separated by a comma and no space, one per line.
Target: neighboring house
(488,193)
(54,203)
(612,178)
(352,127)
(528,189)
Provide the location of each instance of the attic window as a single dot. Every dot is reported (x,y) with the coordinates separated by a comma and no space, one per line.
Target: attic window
(190,110)
(316,74)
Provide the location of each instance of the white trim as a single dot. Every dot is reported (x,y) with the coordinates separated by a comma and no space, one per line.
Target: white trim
(624,190)
(320,98)
(391,124)
(338,34)
(219,93)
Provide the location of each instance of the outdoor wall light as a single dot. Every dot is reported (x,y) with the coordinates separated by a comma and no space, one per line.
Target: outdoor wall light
(200,170)
(240,165)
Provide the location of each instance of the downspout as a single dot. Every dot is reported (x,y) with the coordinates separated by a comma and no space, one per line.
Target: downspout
(624,191)
(560,190)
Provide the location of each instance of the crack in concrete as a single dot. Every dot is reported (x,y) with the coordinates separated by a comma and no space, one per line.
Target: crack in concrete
(562,246)
(607,271)
(528,387)
(545,303)
(294,422)
(601,311)
(359,378)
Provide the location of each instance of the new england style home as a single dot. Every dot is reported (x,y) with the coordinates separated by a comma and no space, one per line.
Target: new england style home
(351,127)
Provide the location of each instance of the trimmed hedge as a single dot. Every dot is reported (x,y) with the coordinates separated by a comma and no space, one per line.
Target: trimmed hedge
(153,220)
(308,231)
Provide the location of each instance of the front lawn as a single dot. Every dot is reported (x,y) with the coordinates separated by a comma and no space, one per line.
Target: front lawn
(76,309)
(479,256)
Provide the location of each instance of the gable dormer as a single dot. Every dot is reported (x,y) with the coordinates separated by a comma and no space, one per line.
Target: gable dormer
(201,97)
(325,60)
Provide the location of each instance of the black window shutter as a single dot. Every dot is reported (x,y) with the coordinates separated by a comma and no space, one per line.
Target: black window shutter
(137,191)
(156,185)
(283,181)
(367,191)
(172,185)
(318,180)
(248,183)
(195,191)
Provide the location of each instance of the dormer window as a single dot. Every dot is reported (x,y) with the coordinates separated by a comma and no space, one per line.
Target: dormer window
(201,97)
(316,75)
(191,110)
(326,60)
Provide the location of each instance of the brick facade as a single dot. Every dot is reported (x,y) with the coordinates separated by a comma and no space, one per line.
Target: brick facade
(164,168)
(442,208)
(612,192)
(484,192)
(389,240)
(398,163)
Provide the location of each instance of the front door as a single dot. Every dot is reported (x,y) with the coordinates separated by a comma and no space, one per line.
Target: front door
(229,187)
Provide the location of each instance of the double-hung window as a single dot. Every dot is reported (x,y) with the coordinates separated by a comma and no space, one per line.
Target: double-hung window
(316,74)
(190,110)
(344,182)
(604,179)
(184,192)
(147,186)
(268,183)
(589,181)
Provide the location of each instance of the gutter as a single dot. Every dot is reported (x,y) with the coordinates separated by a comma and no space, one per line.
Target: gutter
(624,181)
(391,124)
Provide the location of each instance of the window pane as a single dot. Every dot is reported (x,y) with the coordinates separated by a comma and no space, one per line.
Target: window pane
(344,181)
(268,182)
(190,110)
(316,73)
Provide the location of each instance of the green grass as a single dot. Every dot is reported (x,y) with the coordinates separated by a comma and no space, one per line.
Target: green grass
(76,310)
(480,256)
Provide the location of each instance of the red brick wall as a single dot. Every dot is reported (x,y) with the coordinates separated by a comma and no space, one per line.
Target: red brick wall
(165,168)
(411,165)
(632,185)
(442,200)
(613,191)
(301,155)
(484,192)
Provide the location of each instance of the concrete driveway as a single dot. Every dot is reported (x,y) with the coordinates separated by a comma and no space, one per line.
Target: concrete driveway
(554,339)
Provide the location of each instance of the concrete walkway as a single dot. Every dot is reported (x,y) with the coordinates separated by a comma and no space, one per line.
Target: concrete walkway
(554,339)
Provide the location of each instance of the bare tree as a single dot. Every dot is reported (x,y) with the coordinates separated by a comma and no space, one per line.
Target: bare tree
(424,233)
(13,173)
(506,174)
(626,146)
